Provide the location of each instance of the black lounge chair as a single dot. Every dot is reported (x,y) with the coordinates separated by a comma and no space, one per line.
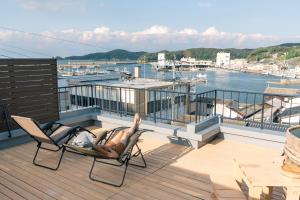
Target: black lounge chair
(123,159)
(52,133)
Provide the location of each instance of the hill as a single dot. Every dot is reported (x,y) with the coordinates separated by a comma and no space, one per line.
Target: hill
(118,54)
(199,53)
(278,53)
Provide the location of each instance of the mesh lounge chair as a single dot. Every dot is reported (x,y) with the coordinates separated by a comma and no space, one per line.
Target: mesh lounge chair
(123,159)
(53,133)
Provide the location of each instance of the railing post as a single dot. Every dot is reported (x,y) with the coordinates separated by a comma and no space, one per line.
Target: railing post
(92,96)
(196,109)
(154,118)
(262,113)
(215,106)
(120,103)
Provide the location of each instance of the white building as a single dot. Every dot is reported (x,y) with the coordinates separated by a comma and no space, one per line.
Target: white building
(161,60)
(223,59)
(188,60)
(193,62)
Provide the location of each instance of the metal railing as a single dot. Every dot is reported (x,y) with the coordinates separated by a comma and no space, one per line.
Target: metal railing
(260,110)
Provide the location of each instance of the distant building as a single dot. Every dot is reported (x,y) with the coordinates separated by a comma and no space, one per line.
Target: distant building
(188,60)
(161,60)
(192,62)
(223,59)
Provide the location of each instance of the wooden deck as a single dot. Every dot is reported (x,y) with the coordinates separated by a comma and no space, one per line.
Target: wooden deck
(173,172)
(20,179)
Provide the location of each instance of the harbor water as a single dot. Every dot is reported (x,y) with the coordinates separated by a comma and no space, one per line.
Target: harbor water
(216,78)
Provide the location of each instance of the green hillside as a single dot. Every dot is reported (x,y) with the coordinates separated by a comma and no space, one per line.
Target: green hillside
(199,53)
(275,53)
(118,54)
(288,51)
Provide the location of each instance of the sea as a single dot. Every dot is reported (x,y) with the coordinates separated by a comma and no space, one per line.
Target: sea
(216,78)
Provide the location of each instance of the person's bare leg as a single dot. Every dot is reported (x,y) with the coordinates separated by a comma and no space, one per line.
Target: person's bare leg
(122,136)
(118,137)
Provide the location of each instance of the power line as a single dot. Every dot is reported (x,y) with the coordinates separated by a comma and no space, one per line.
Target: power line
(20,54)
(52,37)
(25,49)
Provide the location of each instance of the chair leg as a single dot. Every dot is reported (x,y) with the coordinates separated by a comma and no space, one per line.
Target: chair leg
(52,168)
(139,152)
(106,181)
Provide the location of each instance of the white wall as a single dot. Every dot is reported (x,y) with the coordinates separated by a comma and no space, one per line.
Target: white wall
(293,120)
(225,111)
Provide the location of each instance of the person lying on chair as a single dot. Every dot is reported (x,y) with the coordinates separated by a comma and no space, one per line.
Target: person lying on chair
(115,147)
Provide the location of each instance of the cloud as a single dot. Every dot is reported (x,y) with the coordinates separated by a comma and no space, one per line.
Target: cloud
(188,31)
(154,38)
(155,30)
(4,35)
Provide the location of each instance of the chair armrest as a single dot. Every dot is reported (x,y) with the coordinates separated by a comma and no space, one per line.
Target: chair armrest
(80,128)
(101,137)
(49,126)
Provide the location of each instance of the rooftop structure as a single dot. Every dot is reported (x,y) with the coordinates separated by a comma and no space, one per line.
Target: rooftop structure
(141,83)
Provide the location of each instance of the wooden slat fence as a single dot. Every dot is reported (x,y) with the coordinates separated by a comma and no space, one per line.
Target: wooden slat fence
(28,87)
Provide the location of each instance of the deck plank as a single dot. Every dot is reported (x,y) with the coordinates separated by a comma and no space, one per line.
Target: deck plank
(71,181)
(25,186)
(4,197)
(71,178)
(10,193)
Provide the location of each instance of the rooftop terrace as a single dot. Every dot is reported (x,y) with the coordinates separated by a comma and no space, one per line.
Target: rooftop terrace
(173,172)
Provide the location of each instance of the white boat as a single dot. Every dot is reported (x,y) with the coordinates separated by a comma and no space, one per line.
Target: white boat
(201,76)
(126,71)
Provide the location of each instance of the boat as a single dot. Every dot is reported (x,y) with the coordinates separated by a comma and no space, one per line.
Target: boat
(201,76)
(126,71)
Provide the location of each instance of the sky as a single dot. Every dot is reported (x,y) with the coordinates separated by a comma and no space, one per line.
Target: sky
(43,28)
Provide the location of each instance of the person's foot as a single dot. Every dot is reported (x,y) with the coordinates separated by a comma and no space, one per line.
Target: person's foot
(137,120)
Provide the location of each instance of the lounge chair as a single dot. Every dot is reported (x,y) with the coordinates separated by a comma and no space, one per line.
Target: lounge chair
(52,133)
(123,159)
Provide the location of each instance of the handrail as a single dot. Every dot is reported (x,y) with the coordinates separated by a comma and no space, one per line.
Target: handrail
(163,105)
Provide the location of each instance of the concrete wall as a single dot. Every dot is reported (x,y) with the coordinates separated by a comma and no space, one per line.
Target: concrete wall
(264,138)
(194,135)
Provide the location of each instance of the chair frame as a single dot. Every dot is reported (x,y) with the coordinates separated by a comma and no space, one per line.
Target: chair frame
(49,127)
(6,115)
(125,160)
(126,163)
